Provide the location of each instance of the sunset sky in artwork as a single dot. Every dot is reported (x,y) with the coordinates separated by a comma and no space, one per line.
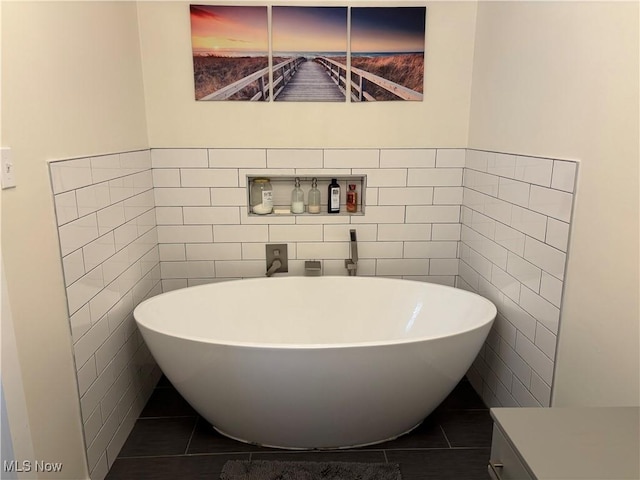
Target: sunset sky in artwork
(387,29)
(309,29)
(228,30)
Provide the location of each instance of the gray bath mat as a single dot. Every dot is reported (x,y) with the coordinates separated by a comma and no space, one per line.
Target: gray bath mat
(275,470)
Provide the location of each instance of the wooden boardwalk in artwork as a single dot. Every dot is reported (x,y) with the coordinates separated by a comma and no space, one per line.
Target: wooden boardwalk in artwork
(311,83)
(321,80)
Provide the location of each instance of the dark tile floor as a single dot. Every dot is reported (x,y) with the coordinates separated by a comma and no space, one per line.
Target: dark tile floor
(171,441)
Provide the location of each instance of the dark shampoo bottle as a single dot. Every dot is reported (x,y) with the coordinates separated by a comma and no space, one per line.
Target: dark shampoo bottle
(333,204)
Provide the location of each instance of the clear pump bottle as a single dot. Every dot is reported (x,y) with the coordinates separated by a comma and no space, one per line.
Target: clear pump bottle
(352,199)
(297,198)
(314,197)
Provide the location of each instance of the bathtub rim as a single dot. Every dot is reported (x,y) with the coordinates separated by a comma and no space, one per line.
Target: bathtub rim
(320,346)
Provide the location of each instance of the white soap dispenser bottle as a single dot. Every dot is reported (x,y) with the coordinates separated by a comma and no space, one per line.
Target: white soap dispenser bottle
(297,198)
(314,197)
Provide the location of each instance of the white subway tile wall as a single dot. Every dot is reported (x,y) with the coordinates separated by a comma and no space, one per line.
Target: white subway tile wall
(515,219)
(110,257)
(134,224)
(202,216)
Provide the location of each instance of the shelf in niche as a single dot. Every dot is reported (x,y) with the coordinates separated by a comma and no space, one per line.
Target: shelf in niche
(323,213)
(283,185)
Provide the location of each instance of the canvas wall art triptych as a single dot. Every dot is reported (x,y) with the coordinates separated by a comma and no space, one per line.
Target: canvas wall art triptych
(316,54)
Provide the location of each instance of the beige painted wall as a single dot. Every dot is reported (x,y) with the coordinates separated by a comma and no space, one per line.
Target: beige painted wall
(71,86)
(560,79)
(176,120)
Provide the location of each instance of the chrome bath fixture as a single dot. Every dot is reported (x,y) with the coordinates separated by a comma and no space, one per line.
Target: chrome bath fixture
(312,268)
(351,264)
(276,258)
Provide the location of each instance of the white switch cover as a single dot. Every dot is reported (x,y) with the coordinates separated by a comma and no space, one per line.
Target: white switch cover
(8,175)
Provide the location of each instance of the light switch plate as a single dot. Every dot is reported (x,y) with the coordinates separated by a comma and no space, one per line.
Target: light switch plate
(7,174)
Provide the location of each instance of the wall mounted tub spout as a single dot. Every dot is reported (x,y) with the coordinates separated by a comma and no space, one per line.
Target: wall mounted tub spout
(351,264)
(312,268)
(275,266)
(277,258)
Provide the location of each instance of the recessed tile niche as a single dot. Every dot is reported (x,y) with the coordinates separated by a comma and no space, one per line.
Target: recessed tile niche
(282,186)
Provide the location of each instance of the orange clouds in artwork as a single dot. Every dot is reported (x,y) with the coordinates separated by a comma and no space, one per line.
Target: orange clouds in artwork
(229,30)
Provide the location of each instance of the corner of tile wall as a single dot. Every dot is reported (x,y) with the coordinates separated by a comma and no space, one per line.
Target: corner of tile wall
(105,214)
(490,222)
(515,221)
(137,223)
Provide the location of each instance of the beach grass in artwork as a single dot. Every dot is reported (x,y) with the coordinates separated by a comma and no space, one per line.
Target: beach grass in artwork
(387,53)
(213,73)
(230,52)
(406,69)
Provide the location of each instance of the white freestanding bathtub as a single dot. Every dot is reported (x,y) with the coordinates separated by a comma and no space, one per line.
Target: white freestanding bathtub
(315,362)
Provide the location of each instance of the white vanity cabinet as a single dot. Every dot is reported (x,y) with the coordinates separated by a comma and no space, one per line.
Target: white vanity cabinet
(565,443)
(505,464)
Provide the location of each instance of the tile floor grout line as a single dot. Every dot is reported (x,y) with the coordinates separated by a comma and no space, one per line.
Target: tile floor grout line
(445,436)
(137,457)
(423,449)
(167,416)
(177,455)
(485,447)
(195,425)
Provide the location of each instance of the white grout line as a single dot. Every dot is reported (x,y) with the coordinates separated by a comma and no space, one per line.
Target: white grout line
(191,437)
(445,436)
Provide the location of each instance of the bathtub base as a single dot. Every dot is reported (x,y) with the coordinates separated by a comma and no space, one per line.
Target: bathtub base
(340,447)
